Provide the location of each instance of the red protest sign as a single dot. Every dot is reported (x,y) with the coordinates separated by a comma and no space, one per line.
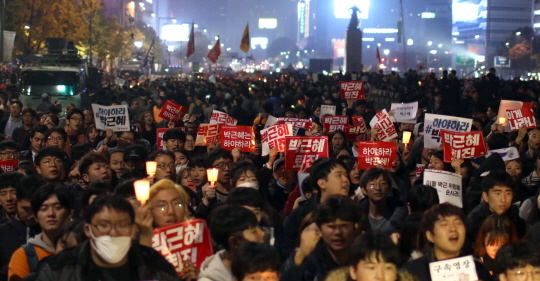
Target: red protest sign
(373,153)
(208,134)
(462,145)
(242,137)
(219,117)
(356,133)
(301,152)
(387,130)
(171,110)
(275,137)
(518,117)
(358,120)
(296,122)
(159,135)
(334,123)
(8,165)
(185,241)
(352,90)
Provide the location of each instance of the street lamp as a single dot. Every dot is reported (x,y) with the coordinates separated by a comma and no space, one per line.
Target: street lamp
(159,23)
(170,48)
(476,36)
(386,52)
(518,33)
(440,45)
(430,43)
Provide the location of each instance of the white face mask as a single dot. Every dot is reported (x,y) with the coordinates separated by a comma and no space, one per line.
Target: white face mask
(249,185)
(111,249)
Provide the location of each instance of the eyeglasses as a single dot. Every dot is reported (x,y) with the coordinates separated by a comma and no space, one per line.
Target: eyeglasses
(165,166)
(176,140)
(76,119)
(222,166)
(127,139)
(163,207)
(521,275)
(373,185)
(55,139)
(190,141)
(8,153)
(121,228)
(52,162)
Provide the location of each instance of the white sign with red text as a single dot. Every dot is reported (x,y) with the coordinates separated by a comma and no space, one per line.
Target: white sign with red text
(219,117)
(387,130)
(275,137)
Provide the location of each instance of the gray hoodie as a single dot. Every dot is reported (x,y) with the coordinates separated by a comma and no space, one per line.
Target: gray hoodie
(213,269)
(38,241)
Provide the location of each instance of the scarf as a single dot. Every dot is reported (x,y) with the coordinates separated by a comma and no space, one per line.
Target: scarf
(71,133)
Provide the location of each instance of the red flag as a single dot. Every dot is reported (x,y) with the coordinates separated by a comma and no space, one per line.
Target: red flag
(191,43)
(378,55)
(214,54)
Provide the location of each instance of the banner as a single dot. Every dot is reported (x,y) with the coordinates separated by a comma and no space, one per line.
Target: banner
(434,123)
(357,132)
(458,269)
(507,154)
(149,59)
(353,90)
(8,165)
(328,110)
(242,137)
(171,110)
(159,135)
(184,241)
(296,122)
(219,117)
(373,153)
(387,130)
(113,117)
(334,123)
(382,98)
(301,152)
(448,186)
(405,112)
(463,145)
(275,137)
(523,116)
(208,134)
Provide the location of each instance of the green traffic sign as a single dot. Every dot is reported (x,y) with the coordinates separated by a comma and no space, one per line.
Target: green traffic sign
(463,60)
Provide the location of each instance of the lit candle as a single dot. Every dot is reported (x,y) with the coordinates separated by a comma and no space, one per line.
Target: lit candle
(502,120)
(151,167)
(142,190)
(406,137)
(212,175)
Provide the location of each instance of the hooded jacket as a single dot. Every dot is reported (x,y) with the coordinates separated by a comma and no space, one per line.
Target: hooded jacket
(76,265)
(397,213)
(19,263)
(213,269)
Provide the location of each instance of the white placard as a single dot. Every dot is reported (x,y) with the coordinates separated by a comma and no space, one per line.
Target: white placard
(507,154)
(219,117)
(327,110)
(270,121)
(142,78)
(115,117)
(405,112)
(275,137)
(353,76)
(315,77)
(505,106)
(448,186)
(120,81)
(434,123)
(387,130)
(458,269)
(301,178)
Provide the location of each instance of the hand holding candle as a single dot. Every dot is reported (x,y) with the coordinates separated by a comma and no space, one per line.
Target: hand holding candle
(151,167)
(406,137)
(212,176)
(502,120)
(142,190)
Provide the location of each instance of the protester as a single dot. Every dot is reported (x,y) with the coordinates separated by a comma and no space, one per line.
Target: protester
(518,261)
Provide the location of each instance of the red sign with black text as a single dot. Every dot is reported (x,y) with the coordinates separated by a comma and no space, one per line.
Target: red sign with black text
(159,135)
(8,165)
(296,122)
(242,137)
(172,111)
(352,90)
(462,145)
(184,241)
(301,152)
(208,134)
(334,123)
(518,117)
(374,153)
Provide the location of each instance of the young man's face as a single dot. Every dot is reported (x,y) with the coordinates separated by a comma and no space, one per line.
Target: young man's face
(198,176)
(373,268)
(117,162)
(56,139)
(75,122)
(174,145)
(38,141)
(254,234)
(125,139)
(338,235)
(224,166)
(135,105)
(337,182)
(448,235)
(52,215)
(261,276)
(534,139)
(165,168)
(98,172)
(377,190)
(9,154)
(25,213)
(50,168)
(499,199)
(525,273)
(8,199)
(15,110)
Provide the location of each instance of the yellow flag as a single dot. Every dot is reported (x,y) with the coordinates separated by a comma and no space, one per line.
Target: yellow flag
(244,45)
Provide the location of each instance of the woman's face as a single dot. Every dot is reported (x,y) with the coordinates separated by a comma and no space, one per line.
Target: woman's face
(148,118)
(436,164)
(249,177)
(317,112)
(190,143)
(492,250)
(338,141)
(396,166)
(168,208)
(181,158)
(354,175)
(92,134)
(186,178)
(513,168)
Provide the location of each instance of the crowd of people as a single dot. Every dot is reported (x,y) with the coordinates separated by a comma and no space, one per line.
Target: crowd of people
(70,211)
